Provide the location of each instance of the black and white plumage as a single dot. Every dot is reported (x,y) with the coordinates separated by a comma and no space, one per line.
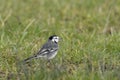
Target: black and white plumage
(48,50)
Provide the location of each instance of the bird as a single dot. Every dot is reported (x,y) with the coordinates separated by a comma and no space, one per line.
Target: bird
(48,50)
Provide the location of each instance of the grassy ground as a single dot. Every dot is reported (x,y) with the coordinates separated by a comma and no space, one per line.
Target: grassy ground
(90,30)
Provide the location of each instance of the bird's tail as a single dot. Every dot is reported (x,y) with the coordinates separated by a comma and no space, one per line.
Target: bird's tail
(32,57)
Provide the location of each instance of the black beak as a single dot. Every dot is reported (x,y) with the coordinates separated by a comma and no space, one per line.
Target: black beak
(60,39)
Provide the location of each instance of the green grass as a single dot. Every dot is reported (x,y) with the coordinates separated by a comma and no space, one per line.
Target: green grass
(90,30)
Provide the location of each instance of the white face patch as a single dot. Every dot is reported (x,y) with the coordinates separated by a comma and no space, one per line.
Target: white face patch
(55,39)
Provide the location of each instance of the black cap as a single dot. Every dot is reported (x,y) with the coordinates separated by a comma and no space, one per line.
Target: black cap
(51,37)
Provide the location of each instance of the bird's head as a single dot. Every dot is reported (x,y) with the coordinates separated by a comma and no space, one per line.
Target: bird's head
(54,38)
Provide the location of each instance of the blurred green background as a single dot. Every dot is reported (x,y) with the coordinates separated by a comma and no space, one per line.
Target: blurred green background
(90,30)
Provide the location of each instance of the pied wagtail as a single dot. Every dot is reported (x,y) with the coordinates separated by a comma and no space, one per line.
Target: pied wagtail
(48,50)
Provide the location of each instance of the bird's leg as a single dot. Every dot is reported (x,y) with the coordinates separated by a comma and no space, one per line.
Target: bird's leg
(48,63)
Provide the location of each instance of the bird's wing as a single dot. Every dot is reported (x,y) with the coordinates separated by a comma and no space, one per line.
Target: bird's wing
(47,48)
(45,51)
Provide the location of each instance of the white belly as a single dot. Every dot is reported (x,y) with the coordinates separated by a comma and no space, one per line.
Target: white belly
(52,56)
